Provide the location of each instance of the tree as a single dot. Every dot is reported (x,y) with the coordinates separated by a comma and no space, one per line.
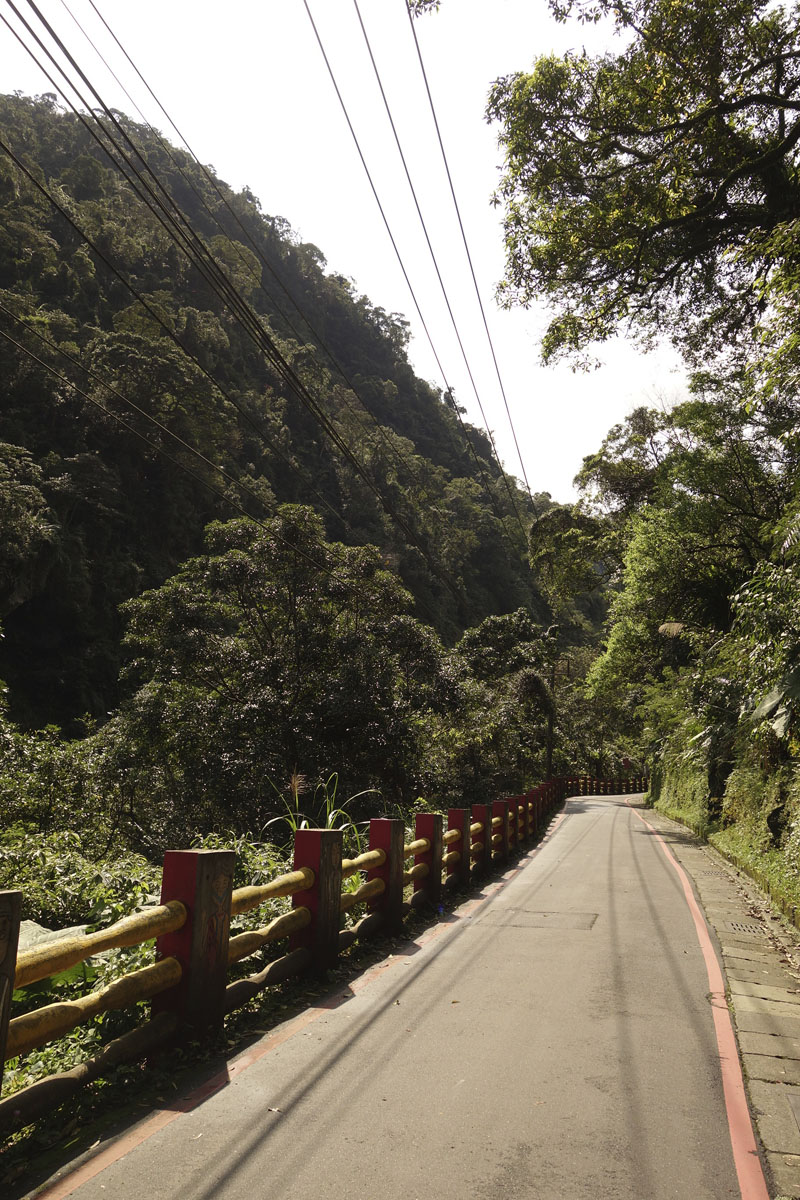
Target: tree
(649,186)
(29,528)
(717,479)
(273,653)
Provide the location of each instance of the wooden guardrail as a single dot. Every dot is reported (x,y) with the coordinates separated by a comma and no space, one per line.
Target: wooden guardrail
(187,984)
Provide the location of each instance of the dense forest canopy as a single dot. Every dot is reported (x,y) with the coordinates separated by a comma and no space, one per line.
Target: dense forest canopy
(94,515)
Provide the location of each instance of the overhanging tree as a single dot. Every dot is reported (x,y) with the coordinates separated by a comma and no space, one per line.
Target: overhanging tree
(653,186)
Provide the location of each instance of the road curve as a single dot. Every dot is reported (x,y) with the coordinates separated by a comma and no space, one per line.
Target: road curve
(553,1041)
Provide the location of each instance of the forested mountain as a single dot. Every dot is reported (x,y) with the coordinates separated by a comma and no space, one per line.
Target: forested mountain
(126,329)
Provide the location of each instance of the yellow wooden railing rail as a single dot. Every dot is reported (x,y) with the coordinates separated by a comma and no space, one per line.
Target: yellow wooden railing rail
(349,900)
(420,846)
(53,1021)
(452,835)
(241,945)
(245,898)
(419,871)
(63,953)
(363,862)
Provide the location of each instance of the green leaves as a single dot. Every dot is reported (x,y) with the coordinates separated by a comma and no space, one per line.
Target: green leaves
(634,180)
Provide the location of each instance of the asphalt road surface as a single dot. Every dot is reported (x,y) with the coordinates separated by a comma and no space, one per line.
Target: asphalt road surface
(554,1040)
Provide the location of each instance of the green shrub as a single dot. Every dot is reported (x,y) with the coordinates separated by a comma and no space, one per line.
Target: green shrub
(62,886)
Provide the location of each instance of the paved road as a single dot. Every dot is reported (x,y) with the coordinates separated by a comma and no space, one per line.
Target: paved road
(554,1042)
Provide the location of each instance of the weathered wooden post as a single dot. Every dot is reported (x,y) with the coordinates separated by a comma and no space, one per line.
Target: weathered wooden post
(429,887)
(514,834)
(535,809)
(482,815)
(522,819)
(387,834)
(459,818)
(321,851)
(500,814)
(511,823)
(202,880)
(10,909)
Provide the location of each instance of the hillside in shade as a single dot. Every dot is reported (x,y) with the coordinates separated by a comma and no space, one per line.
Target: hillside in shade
(98,503)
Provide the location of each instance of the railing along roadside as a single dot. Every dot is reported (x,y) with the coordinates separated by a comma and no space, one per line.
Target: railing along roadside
(188,984)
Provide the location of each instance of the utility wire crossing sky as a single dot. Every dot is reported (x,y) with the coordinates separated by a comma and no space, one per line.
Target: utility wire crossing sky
(249,88)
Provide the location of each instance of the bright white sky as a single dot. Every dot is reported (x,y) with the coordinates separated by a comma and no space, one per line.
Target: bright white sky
(246,84)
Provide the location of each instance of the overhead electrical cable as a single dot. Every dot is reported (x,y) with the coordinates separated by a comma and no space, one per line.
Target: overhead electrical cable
(381,431)
(448,389)
(435,261)
(328,550)
(176,224)
(175,462)
(76,362)
(257,428)
(467,251)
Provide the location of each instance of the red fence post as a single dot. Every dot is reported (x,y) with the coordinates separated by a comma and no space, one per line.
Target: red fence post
(482,815)
(10,908)
(511,822)
(429,826)
(500,809)
(523,825)
(530,814)
(321,850)
(202,880)
(387,834)
(459,818)
(518,823)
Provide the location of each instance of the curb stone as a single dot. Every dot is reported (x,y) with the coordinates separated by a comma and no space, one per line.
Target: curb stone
(760,954)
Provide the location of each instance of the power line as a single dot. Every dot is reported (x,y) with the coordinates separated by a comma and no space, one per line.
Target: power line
(435,262)
(179,229)
(356,585)
(467,250)
(399,257)
(409,467)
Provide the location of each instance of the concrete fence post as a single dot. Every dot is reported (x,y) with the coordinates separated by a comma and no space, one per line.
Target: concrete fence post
(10,909)
(429,826)
(482,814)
(387,834)
(459,818)
(202,880)
(321,850)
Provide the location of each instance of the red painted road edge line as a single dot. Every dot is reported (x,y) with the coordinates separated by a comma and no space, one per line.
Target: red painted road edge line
(749,1169)
(123,1145)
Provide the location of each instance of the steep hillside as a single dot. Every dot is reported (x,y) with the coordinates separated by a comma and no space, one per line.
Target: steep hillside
(125,330)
